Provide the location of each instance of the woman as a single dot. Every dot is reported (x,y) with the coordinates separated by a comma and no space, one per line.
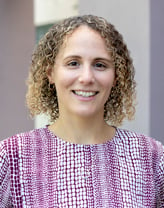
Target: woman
(82,76)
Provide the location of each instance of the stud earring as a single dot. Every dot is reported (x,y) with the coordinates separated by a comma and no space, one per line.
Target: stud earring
(51,86)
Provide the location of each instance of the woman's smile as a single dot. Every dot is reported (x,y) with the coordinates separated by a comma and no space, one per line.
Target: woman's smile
(83,74)
(84,93)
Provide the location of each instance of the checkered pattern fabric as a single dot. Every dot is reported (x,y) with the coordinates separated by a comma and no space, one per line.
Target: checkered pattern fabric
(40,170)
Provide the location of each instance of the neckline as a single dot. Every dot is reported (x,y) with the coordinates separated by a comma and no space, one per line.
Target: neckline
(67,143)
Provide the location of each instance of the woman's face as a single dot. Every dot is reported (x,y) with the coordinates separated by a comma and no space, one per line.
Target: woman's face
(83,74)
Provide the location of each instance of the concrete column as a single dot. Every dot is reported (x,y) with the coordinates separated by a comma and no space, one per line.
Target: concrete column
(16,44)
(157,69)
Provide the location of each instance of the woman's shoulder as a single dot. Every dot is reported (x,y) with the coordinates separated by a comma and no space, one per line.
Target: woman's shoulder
(24,138)
(139,140)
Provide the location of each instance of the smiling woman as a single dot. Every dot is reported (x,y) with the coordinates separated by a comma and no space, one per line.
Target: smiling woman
(121,102)
(82,76)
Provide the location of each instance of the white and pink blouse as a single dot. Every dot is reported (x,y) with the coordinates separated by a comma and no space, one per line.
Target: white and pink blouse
(40,170)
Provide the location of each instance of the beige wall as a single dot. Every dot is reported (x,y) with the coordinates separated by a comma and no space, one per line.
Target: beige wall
(49,11)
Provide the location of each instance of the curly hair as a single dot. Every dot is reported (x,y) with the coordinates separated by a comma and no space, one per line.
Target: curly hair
(41,96)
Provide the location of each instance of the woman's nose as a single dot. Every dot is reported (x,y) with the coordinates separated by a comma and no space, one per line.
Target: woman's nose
(86,75)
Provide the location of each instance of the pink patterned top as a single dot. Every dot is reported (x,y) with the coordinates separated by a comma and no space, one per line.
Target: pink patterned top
(39,170)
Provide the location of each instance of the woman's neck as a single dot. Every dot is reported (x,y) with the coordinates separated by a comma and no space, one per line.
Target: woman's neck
(83,131)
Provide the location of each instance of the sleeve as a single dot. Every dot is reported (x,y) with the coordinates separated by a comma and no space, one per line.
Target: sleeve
(5,198)
(160,180)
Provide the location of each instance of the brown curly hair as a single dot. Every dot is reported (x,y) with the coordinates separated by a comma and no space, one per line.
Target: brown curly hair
(41,96)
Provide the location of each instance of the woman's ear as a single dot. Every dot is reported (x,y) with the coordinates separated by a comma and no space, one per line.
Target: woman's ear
(50,75)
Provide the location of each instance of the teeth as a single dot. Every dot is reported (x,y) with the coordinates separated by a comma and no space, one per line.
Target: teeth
(85,94)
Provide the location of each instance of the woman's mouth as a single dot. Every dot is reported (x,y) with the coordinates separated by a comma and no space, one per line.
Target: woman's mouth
(85,93)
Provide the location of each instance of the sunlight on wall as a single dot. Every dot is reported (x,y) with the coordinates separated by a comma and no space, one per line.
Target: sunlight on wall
(52,10)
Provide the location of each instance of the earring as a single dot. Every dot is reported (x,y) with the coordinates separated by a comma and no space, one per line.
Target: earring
(51,86)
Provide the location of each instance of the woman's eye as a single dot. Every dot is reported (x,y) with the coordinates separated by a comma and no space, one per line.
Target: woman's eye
(100,66)
(73,64)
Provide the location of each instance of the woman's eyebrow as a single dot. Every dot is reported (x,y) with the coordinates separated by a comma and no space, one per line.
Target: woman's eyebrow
(104,59)
(72,57)
(96,59)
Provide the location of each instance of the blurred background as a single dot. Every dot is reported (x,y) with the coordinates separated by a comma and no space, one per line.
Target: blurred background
(22,23)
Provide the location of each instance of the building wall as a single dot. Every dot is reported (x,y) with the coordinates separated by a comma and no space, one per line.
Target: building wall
(53,10)
(157,69)
(16,44)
